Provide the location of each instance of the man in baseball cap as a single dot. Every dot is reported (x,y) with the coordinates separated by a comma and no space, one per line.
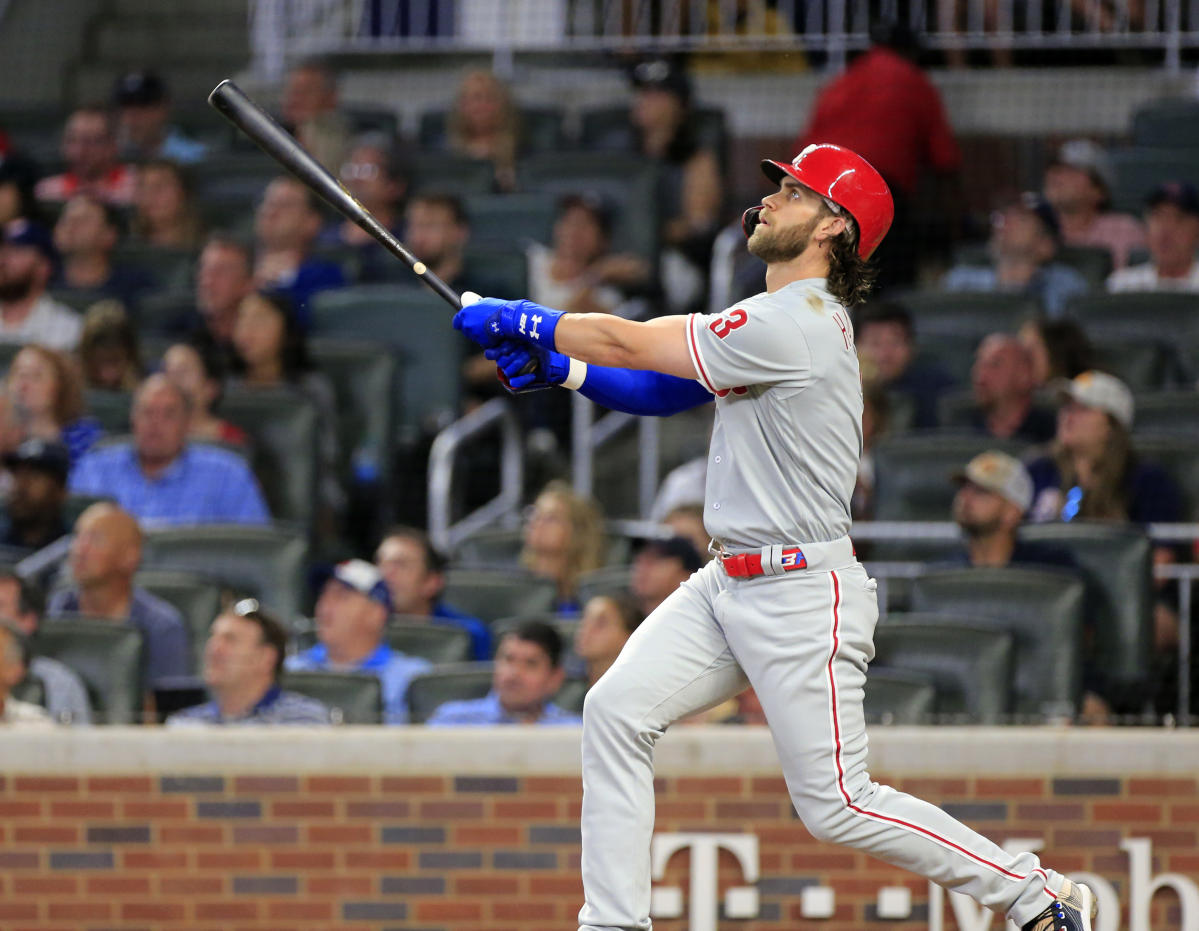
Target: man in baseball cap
(27,313)
(1172,221)
(34,515)
(351,619)
(143,108)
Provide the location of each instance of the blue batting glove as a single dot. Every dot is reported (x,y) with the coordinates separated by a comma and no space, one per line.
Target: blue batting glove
(480,321)
(512,358)
(490,321)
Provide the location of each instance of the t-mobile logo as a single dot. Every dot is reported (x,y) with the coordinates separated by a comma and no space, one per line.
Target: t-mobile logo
(739,901)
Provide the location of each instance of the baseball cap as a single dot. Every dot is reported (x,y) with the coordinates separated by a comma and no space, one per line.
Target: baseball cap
(1090,157)
(365,579)
(139,89)
(1101,391)
(1035,203)
(679,548)
(45,455)
(999,474)
(21,232)
(1182,194)
(661,74)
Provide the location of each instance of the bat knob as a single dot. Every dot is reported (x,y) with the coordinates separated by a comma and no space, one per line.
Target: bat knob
(469,297)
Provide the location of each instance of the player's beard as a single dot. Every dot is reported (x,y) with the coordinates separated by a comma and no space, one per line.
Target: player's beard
(775,246)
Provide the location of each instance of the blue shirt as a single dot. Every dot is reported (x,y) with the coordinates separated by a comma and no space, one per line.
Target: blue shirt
(488,710)
(480,634)
(79,436)
(180,148)
(275,707)
(1052,284)
(393,668)
(1152,494)
(164,634)
(204,485)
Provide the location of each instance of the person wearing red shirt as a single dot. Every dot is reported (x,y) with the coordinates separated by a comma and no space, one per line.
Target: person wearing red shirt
(89,148)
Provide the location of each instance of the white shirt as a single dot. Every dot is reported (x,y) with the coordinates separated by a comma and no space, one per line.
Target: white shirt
(1145,278)
(23,714)
(48,323)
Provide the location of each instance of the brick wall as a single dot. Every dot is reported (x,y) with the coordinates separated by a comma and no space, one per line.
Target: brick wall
(497,850)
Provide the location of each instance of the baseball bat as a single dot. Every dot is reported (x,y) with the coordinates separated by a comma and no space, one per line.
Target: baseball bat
(231,102)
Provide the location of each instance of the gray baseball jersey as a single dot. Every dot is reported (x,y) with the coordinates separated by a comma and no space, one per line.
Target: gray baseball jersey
(788,431)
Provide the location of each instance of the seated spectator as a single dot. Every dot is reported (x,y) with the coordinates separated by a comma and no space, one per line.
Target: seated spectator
(376,173)
(687,521)
(17,178)
(660,567)
(310,110)
(608,622)
(243,659)
(47,398)
(415,575)
(105,554)
(1025,237)
(437,231)
(484,123)
(162,479)
(14,660)
(1002,378)
(528,673)
(224,278)
(1172,219)
(27,313)
(108,348)
(144,131)
(164,207)
(195,368)
(577,272)
(65,694)
(1056,349)
(1078,185)
(563,538)
(876,414)
(89,148)
(33,516)
(85,235)
(286,225)
(351,617)
(886,342)
(682,485)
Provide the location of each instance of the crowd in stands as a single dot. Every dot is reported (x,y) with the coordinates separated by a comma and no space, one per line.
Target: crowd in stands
(164,320)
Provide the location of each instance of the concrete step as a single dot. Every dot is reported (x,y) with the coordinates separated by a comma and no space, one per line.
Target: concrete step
(163,40)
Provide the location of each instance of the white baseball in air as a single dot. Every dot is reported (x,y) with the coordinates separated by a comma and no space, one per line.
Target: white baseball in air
(469,297)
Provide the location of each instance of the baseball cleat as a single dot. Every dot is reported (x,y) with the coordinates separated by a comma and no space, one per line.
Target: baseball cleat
(1073,911)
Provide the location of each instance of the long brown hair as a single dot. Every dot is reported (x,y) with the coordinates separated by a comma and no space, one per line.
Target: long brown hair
(68,388)
(1107,498)
(850,277)
(585,551)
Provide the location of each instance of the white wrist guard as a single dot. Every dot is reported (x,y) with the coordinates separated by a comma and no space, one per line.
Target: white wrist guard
(576,376)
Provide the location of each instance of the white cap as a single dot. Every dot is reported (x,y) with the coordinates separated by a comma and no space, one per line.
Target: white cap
(1101,391)
(999,474)
(1090,157)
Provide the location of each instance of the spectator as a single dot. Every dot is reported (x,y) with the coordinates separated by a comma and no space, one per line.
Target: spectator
(1025,237)
(437,231)
(415,575)
(1172,219)
(310,111)
(47,397)
(563,539)
(89,147)
(286,226)
(21,604)
(85,235)
(14,660)
(682,486)
(528,673)
(876,416)
(690,189)
(105,554)
(660,567)
(1056,349)
(484,123)
(687,521)
(27,313)
(608,622)
(351,617)
(164,207)
(886,109)
(224,278)
(243,659)
(1078,185)
(377,174)
(578,272)
(17,178)
(108,348)
(162,479)
(143,129)
(195,368)
(33,517)
(1003,380)
(886,342)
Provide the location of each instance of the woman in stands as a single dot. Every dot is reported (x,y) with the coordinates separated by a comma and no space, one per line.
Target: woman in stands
(46,393)
(108,348)
(196,369)
(608,622)
(485,123)
(164,207)
(564,538)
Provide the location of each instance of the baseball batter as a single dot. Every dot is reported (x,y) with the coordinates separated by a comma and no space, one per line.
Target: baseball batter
(786,606)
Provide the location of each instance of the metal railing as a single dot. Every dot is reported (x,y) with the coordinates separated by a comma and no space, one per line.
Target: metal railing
(588,435)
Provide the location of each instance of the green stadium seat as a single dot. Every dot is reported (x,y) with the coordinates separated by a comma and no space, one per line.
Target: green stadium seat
(507,219)
(351,697)
(502,271)
(899,698)
(955,409)
(106,656)
(452,682)
(1142,364)
(490,549)
(493,594)
(165,311)
(364,119)
(169,266)
(1137,314)
(111,408)
(438,643)
(1167,123)
(1178,454)
(451,173)
(79,299)
(610,580)
(198,599)
(570,696)
(1139,169)
(966,314)
(1167,412)
(1094,263)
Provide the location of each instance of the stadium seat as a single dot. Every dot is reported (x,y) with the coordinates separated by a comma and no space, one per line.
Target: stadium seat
(8,352)
(79,299)
(351,697)
(165,311)
(510,219)
(970,664)
(438,643)
(1167,412)
(1094,263)
(541,129)
(1043,610)
(1135,313)
(1139,169)
(364,119)
(452,682)
(955,409)
(106,656)
(198,599)
(1142,364)
(282,424)
(1167,123)
(111,408)
(610,580)
(493,594)
(169,266)
(898,698)
(966,314)
(490,548)
(570,696)
(451,173)
(267,563)
(1178,454)
(502,270)
(347,258)
(953,352)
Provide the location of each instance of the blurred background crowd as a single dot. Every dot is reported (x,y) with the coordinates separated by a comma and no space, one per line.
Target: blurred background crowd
(251,475)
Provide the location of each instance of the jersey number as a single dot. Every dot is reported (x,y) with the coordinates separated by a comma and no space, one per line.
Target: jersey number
(723,325)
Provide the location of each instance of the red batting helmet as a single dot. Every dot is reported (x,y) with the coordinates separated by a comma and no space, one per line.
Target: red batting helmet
(849,181)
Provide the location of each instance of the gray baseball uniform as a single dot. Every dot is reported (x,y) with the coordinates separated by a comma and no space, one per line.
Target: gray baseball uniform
(781,469)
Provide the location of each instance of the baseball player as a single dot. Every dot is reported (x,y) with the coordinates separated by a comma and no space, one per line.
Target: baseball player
(785,606)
